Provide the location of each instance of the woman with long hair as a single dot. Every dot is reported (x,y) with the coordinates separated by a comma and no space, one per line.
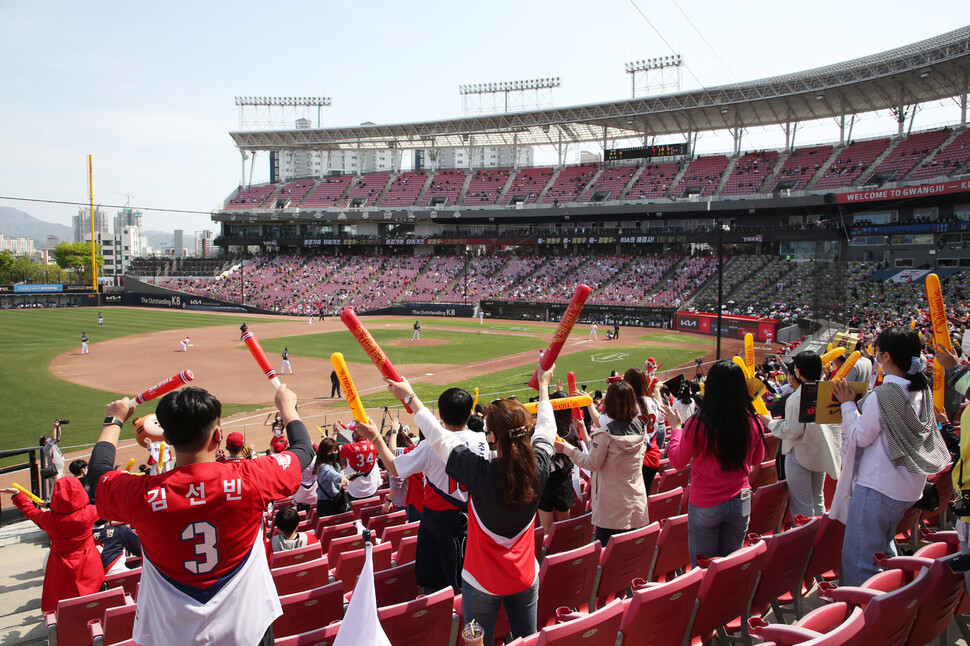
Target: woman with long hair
(651,415)
(900,444)
(558,496)
(331,496)
(615,458)
(500,565)
(722,441)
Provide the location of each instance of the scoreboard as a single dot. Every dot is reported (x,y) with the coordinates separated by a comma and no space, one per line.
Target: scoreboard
(646,152)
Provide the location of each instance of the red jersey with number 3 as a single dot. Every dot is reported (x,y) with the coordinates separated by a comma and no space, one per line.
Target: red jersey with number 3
(198,523)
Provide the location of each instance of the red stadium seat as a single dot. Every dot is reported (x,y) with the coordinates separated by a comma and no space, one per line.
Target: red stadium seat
(673,479)
(302,576)
(331,532)
(938,605)
(366,513)
(359,505)
(763,474)
(68,625)
(116,626)
(671,554)
(127,581)
(395,585)
(306,611)
(627,556)
(394,533)
(298,555)
(567,579)
(343,544)
(350,564)
(319,637)
(422,622)
(726,591)
(378,523)
(329,521)
(834,624)
(407,550)
(664,504)
(569,534)
(598,628)
(826,556)
(768,506)
(659,613)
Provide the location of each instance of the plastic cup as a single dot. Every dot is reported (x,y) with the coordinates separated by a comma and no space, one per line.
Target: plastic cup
(473,634)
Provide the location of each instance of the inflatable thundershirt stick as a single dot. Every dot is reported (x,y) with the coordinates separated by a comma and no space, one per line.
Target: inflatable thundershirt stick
(562,332)
(167,386)
(259,355)
(370,346)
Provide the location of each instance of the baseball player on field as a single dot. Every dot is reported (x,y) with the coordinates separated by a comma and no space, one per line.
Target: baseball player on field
(185,344)
(84,343)
(286,361)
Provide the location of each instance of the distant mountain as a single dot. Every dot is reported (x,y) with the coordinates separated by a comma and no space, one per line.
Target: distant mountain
(15,223)
(158,239)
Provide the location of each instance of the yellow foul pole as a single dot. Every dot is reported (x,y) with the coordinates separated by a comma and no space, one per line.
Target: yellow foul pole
(94,265)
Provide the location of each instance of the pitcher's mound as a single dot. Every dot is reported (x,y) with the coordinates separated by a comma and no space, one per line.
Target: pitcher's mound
(419,342)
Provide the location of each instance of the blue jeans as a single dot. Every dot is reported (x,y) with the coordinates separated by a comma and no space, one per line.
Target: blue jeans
(869,528)
(963,533)
(718,530)
(520,608)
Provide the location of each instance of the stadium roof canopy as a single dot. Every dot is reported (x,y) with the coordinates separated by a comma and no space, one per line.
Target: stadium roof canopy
(930,70)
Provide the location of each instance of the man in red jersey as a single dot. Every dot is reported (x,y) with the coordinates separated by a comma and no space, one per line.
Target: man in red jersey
(205,579)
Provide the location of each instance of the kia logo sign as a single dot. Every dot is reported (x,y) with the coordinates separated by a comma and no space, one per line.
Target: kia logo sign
(690,324)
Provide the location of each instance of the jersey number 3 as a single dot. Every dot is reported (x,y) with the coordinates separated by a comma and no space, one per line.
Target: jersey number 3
(206,548)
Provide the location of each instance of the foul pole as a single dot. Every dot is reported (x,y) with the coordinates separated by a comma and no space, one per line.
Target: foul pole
(94,264)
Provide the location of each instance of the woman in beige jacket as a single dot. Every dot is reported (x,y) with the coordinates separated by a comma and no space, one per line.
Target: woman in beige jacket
(615,457)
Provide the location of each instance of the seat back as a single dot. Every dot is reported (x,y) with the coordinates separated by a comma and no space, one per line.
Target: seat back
(671,553)
(673,479)
(595,629)
(727,589)
(357,506)
(377,523)
(768,505)
(394,533)
(890,616)
(424,621)
(784,567)
(295,556)
(627,556)
(765,473)
(302,576)
(366,513)
(395,585)
(127,581)
(664,504)
(826,550)
(118,624)
(72,615)
(306,611)
(350,564)
(407,551)
(938,604)
(566,579)
(330,532)
(320,637)
(569,534)
(343,544)
(660,613)
(336,519)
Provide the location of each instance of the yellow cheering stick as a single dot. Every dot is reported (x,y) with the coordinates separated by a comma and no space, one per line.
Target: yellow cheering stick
(941,334)
(347,385)
(831,354)
(749,353)
(131,463)
(161,457)
(912,325)
(576,401)
(475,403)
(756,400)
(27,493)
(847,366)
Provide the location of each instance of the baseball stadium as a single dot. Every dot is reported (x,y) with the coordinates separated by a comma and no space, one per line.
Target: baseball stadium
(451,271)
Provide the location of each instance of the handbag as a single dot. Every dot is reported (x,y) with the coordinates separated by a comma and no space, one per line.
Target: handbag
(930,501)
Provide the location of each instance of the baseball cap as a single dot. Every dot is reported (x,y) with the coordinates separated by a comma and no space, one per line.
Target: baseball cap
(235,440)
(278,445)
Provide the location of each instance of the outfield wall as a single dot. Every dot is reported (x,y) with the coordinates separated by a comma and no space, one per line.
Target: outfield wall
(732,326)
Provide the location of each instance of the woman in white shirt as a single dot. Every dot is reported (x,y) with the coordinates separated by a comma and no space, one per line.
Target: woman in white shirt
(888,450)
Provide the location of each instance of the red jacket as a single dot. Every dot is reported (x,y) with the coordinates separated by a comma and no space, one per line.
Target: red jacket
(74,567)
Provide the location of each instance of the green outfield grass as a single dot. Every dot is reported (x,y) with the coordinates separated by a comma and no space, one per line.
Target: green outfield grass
(674,337)
(31,397)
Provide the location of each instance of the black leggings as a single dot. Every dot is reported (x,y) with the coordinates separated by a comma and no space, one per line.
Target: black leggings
(648,475)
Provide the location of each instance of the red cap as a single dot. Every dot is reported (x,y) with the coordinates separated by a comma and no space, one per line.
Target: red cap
(278,445)
(235,440)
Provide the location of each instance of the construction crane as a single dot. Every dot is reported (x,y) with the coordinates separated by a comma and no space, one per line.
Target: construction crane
(128,195)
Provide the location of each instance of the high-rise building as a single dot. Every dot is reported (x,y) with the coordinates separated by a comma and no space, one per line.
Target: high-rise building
(480,157)
(203,244)
(52,241)
(82,224)
(178,243)
(17,246)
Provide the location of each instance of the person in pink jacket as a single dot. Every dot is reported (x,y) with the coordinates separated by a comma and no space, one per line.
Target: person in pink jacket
(722,442)
(74,567)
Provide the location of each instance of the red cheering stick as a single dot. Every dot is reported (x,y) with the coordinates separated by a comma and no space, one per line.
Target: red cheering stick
(167,386)
(370,346)
(562,332)
(571,384)
(256,350)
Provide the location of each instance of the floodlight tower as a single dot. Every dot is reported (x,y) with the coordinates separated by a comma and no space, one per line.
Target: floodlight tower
(278,111)
(533,94)
(659,74)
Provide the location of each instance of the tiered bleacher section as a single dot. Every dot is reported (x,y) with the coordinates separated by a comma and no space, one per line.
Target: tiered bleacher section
(851,163)
(736,272)
(609,185)
(702,176)
(250,198)
(481,282)
(636,278)
(569,184)
(445,188)
(292,193)
(947,161)
(485,186)
(800,167)
(367,189)
(749,172)
(327,192)
(906,155)
(683,283)
(404,189)
(437,275)
(653,182)
(527,185)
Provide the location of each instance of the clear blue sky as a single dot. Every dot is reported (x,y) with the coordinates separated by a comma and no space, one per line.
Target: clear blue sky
(148,88)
